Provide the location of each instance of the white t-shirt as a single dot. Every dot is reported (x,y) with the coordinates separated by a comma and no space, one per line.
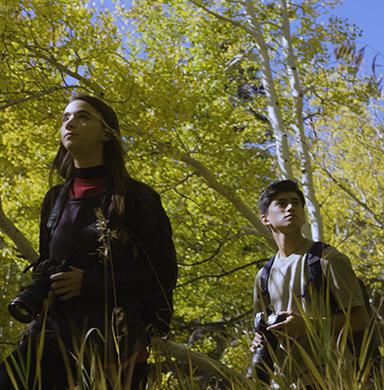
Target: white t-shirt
(289,276)
(288,283)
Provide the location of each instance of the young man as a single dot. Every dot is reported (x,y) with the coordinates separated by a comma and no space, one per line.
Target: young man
(290,294)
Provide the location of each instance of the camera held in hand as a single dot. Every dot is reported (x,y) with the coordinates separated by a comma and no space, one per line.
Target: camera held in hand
(28,304)
(262,362)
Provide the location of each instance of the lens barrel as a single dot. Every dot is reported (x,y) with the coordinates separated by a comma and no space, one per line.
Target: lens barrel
(29,302)
(20,311)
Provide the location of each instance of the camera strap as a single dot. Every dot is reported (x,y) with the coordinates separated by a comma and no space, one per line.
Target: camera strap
(58,207)
(54,216)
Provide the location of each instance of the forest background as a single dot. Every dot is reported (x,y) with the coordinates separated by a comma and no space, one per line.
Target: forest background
(216,100)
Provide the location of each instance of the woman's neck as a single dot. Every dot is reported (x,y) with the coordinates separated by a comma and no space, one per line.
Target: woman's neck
(90,172)
(87,157)
(89,162)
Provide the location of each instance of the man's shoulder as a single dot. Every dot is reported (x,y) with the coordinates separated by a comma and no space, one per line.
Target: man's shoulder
(331,253)
(265,269)
(328,253)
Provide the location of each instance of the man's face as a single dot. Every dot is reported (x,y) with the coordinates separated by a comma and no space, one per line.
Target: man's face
(285,213)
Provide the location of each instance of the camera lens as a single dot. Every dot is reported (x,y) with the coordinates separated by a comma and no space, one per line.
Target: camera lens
(20,311)
(29,302)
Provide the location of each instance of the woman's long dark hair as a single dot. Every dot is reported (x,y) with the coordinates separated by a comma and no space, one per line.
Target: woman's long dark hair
(113,155)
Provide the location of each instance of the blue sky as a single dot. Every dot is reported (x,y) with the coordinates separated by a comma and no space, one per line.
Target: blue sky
(368,15)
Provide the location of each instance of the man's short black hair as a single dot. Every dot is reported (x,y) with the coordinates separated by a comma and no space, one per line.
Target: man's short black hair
(276,188)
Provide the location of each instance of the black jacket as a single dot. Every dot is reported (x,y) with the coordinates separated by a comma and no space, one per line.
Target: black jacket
(143,271)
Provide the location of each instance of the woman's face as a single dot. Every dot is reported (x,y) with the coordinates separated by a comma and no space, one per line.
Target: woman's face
(82,130)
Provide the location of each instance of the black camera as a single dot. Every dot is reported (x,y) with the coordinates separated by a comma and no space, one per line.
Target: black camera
(29,302)
(262,362)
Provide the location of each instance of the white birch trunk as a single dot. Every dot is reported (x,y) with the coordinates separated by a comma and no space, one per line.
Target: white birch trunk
(274,112)
(315,218)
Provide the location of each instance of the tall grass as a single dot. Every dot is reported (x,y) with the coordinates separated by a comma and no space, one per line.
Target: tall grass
(323,359)
(173,366)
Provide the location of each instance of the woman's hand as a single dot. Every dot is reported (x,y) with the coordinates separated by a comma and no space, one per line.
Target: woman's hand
(67,285)
(293,324)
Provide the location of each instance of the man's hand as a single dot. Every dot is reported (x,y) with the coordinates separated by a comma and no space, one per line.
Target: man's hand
(257,342)
(67,285)
(293,325)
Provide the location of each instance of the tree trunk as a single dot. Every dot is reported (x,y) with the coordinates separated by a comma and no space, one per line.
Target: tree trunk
(274,112)
(225,191)
(21,242)
(202,362)
(315,218)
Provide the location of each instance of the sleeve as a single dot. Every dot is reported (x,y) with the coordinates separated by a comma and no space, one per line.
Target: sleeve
(343,281)
(153,271)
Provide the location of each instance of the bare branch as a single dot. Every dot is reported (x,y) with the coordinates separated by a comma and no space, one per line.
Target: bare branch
(221,17)
(354,197)
(201,361)
(34,95)
(215,252)
(21,242)
(218,276)
(186,326)
(224,190)
(38,52)
(258,116)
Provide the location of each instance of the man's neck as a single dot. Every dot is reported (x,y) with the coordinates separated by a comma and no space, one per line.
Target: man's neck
(289,243)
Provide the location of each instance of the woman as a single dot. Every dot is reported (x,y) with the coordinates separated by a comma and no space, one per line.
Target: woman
(115,240)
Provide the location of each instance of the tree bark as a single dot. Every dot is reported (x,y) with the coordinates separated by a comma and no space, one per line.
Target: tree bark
(21,242)
(274,111)
(315,218)
(225,191)
(202,362)
(275,117)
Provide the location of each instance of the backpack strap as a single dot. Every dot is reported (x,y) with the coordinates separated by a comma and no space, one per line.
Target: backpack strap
(57,209)
(315,271)
(316,274)
(264,276)
(314,265)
